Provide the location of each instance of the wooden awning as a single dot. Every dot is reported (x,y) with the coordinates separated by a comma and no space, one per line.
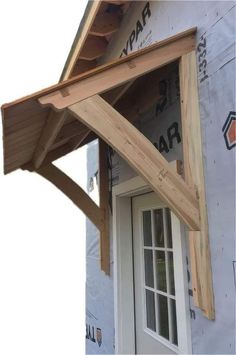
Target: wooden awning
(53,122)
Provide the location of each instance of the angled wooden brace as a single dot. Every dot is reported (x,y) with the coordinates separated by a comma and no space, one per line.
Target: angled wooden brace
(73,191)
(99,216)
(139,152)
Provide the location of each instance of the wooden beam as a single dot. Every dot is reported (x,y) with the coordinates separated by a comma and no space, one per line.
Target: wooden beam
(194,176)
(73,192)
(93,48)
(104,206)
(120,71)
(105,24)
(140,153)
(52,126)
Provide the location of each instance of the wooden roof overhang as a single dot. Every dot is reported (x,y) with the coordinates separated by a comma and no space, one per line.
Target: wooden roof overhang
(102,19)
(53,122)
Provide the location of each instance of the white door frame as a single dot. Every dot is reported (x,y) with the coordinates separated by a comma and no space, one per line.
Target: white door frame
(123,271)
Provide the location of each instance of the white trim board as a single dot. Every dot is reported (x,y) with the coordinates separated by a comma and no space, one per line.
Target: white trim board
(123,270)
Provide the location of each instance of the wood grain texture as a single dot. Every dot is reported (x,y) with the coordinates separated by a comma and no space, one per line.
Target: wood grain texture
(73,191)
(82,38)
(139,152)
(104,207)
(194,176)
(94,48)
(105,24)
(49,133)
(122,70)
(188,44)
(27,112)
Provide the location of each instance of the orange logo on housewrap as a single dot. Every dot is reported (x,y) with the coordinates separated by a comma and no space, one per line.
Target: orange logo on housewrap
(229,130)
(99,336)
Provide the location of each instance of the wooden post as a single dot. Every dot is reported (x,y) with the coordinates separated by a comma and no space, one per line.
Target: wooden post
(194,176)
(104,207)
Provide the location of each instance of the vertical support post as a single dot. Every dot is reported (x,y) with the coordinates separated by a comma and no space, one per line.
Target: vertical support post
(194,176)
(104,207)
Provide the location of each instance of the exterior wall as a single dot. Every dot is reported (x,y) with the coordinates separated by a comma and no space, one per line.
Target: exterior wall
(99,287)
(216,70)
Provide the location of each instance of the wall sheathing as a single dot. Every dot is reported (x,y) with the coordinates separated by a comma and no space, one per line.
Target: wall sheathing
(161,124)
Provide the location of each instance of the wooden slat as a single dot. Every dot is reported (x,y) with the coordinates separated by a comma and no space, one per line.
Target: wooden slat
(104,207)
(94,48)
(105,24)
(82,66)
(53,125)
(73,191)
(139,152)
(194,175)
(120,71)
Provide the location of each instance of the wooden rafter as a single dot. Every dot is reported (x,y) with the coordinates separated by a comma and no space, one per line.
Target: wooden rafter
(73,191)
(53,125)
(94,48)
(95,5)
(105,24)
(139,152)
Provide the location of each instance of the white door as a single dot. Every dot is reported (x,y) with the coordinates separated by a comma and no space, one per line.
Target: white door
(160,290)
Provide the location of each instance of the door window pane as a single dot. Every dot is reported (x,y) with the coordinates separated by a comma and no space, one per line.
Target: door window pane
(161,270)
(158,227)
(174,322)
(147,228)
(171,273)
(150,310)
(148,262)
(159,283)
(163,316)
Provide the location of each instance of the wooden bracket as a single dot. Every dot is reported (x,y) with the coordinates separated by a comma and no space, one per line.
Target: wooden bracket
(194,176)
(139,152)
(185,198)
(73,191)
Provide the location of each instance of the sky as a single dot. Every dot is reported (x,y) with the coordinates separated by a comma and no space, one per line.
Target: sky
(42,234)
